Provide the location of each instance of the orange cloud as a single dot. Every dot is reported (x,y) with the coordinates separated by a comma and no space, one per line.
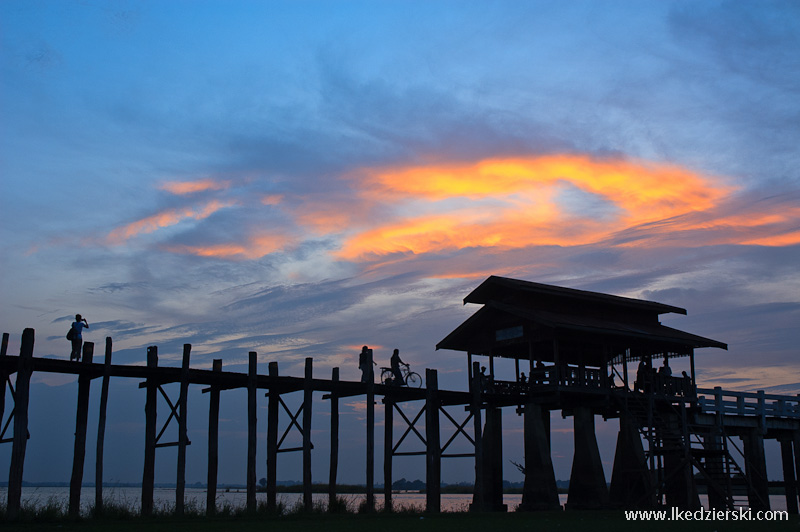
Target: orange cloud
(516,202)
(786,239)
(164,219)
(254,247)
(190,187)
(661,189)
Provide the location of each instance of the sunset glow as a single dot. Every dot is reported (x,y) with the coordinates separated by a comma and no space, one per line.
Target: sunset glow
(526,208)
(298,179)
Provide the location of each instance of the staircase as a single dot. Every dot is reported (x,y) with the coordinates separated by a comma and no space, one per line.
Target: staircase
(668,432)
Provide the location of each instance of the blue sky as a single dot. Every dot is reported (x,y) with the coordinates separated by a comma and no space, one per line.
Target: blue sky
(302,178)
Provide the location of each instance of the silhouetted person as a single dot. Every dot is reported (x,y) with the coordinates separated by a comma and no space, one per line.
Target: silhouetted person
(363,363)
(483,379)
(395,363)
(522,378)
(665,370)
(541,373)
(641,375)
(78,325)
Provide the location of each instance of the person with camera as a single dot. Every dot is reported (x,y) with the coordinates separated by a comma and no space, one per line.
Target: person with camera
(78,325)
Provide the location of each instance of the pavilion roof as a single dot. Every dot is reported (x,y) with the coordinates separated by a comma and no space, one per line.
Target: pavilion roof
(520,316)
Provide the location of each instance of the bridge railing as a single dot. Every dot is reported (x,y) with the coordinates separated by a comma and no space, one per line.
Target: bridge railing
(718,401)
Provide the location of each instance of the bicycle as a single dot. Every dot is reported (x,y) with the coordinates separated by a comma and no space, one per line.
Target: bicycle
(410,378)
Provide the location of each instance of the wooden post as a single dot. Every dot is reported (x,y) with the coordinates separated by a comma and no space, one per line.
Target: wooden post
(213,443)
(81,420)
(252,380)
(756,470)
(789,482)
(308,389)
(493,460)
(334,466)
(478,503)
(272,437)
(183,438)
(3,376)
(387,453)
(796,446)
(433,455)
(24,370)
(101,430)
(625,369)
(370,499)
(150,412)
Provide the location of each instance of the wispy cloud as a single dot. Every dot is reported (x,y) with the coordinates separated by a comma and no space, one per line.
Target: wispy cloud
(163,219)
(192,187)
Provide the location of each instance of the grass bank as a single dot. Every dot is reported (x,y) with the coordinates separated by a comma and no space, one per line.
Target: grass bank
(600,521)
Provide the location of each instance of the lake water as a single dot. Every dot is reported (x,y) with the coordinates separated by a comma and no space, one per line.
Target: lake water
(164,498)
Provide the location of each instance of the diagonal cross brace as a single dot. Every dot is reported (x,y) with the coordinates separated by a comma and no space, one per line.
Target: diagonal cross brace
(11,415)
(410,428)
(292,423)
(459,428)
(173,414)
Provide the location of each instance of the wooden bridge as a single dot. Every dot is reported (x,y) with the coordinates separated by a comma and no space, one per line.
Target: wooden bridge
(673,436)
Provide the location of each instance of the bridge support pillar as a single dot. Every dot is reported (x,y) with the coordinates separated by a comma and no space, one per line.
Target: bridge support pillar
(790,482)
(492,483)
(539,491)
(796,445)
(631,484)
(714,463)
(756,470)
(587,482)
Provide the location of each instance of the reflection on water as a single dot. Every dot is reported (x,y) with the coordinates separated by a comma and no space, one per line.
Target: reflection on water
(164,499)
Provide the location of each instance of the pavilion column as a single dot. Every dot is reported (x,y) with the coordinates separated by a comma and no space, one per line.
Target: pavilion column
(587,482)
(540,491)
(630,477)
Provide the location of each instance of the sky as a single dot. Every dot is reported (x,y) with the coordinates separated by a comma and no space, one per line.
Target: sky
(302,178)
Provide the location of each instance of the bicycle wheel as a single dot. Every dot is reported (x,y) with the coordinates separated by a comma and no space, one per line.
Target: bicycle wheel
(386,374)
(413,380)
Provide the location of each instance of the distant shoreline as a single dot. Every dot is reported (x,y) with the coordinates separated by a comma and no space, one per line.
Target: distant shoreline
(289,487)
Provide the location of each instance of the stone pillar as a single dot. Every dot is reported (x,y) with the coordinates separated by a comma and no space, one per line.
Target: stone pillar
(587,482)
(539,491)
(631,483)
